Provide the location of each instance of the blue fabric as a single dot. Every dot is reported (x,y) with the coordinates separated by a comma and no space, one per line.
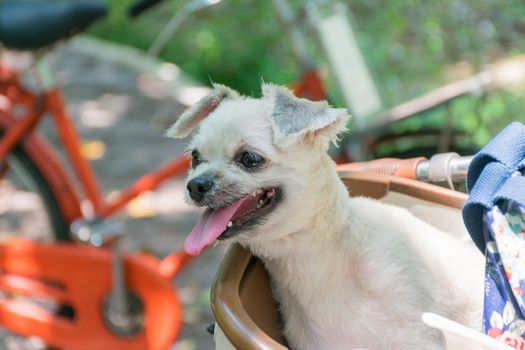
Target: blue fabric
(495,218)
(489,178)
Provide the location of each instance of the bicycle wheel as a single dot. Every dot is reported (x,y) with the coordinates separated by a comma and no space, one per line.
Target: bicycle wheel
(28,207)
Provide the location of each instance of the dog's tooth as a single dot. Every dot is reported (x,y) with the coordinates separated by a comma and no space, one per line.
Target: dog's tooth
(230,224)
(261,202)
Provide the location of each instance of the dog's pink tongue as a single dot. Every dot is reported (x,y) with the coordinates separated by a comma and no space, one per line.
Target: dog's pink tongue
(210,226)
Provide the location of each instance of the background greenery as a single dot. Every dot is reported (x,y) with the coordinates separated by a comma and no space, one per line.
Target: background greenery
(410,46)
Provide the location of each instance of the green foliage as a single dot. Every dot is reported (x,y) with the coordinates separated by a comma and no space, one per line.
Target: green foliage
(410,46)
(236,42)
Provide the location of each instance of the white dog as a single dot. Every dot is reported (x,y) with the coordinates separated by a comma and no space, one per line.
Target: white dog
(347,272)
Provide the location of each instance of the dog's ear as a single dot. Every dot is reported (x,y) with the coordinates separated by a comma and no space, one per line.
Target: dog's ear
(296,118)
(196,113)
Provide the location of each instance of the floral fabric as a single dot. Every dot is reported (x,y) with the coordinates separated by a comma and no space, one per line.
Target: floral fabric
(504,305)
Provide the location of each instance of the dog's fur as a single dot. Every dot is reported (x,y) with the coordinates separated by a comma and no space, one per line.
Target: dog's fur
(347,272)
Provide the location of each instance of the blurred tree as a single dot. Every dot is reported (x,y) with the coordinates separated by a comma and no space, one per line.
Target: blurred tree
(410,46)
(238,42)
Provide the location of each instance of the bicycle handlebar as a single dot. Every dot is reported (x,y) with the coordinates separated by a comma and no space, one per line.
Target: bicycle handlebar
(390,166)
(440,167)
(140,6)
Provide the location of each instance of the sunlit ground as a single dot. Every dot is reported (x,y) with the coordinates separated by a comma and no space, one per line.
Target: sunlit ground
(21,210)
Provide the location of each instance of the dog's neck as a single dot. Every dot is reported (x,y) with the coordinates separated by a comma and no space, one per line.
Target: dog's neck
(321,214)
(297,259)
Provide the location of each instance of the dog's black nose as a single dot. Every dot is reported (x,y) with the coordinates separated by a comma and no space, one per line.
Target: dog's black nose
(199,186)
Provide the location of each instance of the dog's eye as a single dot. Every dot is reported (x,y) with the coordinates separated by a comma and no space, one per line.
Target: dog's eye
(250,159)
(195,158)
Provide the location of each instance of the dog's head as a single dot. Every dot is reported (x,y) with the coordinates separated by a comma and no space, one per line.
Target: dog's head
(254,161)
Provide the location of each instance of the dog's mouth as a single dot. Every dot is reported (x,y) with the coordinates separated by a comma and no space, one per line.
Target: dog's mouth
(226,222)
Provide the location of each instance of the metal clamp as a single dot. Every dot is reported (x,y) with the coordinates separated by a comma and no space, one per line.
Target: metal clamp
(444,167)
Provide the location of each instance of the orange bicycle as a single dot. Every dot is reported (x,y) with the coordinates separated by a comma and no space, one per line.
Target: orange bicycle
(70,295)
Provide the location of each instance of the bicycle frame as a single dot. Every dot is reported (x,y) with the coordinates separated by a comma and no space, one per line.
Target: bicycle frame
(28,267)
(51,102)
